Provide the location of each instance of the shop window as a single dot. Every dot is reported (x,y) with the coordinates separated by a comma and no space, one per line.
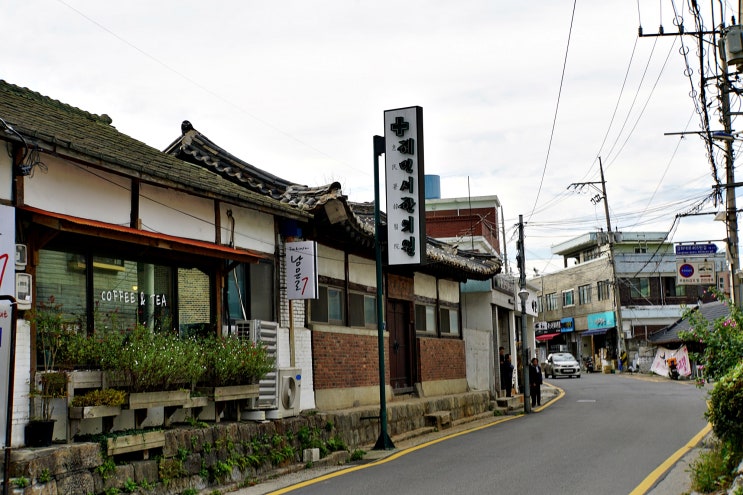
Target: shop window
(328,307)
(125,292)
(425,318)
(59,276)
(362,311)
(250,292)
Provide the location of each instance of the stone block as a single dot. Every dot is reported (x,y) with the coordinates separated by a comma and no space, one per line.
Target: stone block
(310,455)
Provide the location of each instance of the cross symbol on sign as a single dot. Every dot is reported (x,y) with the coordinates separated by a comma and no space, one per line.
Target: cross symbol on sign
(400,126)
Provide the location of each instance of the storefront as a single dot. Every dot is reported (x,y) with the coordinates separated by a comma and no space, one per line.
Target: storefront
(601,337)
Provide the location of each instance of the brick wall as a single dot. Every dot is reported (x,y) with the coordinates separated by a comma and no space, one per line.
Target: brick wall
(478,222)
(441,359)
(344,360)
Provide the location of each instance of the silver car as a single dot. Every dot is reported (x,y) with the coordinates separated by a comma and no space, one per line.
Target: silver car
(561,364)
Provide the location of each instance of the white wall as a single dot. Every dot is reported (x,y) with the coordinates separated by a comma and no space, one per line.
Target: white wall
(79,191)
(21,383)
(425,285)
(362,271)
(174,213)
(253,230)
(330,262)
(6,175)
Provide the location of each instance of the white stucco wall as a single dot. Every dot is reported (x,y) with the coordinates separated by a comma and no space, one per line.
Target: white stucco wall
(425,285)
(449,291)
(362,271)
(6,176)
(79,191)
(330,262)
(170,212)
(21,382)
(253,230)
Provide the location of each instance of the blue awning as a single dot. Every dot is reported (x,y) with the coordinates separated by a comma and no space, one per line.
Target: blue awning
(594,331)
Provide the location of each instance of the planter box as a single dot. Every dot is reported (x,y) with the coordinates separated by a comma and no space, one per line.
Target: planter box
(233,392)
(136,442)
(91,412)
(170,398)
(85,379)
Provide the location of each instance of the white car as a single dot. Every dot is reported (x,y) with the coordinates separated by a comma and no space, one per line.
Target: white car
(561,364)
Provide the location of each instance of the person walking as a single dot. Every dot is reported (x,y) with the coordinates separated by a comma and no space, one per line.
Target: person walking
(535,382)
(506,375)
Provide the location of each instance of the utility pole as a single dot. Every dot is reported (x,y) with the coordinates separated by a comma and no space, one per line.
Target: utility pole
(523,295)
(731,214)
(612,260)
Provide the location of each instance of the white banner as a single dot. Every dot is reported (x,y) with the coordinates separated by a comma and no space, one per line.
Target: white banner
(660,363)
(7,250)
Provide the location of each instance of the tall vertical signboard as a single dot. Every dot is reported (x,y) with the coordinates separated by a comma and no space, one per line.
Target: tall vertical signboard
(301,270)
(7,288)
(404,186)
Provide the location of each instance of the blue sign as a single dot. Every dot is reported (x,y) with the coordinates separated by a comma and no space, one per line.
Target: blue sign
(709,248)
(686,270)
(601,320)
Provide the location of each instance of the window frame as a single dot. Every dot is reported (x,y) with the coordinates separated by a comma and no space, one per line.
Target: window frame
(584,294)
(568,298)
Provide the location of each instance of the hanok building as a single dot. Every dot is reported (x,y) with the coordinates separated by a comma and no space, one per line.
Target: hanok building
(194,241)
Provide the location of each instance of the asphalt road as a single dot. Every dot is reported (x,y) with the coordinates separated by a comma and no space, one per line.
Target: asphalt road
(605,435)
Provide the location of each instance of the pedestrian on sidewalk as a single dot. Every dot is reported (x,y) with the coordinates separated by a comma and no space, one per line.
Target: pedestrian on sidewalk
(506,375)
(535,382)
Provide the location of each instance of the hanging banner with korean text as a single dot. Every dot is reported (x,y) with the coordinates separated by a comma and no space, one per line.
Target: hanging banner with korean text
(405,186)
(301,270)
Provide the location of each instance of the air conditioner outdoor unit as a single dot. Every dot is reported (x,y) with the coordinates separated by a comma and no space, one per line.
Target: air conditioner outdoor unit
(289,394)
(266,333)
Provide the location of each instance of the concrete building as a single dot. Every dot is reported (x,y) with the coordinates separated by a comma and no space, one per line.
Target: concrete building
(577,304)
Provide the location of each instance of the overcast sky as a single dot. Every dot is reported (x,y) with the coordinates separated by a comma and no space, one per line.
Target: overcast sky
(519,98)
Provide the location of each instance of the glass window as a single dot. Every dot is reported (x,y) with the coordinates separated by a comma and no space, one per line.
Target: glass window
(584,294)
(568,298)
(362,311)
(449,321)
(551,301)
(639,287)
(328,307)
(250,292)
(125,292)
(425,318)
(603,289)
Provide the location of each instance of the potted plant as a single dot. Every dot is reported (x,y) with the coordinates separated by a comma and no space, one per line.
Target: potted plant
(48,382)
(234,367)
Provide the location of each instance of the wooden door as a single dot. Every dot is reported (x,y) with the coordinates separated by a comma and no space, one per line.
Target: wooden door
(401,351)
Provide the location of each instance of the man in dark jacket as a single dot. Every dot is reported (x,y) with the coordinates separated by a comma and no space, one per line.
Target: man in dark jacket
(535,382)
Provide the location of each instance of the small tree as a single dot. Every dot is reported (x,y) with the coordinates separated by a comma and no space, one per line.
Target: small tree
(719,343)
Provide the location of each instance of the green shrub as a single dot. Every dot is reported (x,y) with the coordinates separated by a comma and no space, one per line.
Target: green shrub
(231,361)
(103,397)
(718,345)
(726,406)
(711,471)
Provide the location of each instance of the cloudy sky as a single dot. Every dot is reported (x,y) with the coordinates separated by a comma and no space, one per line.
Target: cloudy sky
(519,98)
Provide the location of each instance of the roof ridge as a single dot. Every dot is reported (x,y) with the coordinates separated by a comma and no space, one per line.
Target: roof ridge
(30,94)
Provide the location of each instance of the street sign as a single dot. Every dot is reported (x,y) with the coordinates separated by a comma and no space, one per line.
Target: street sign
(687,249)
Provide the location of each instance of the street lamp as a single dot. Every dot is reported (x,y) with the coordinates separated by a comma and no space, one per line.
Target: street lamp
(524,295)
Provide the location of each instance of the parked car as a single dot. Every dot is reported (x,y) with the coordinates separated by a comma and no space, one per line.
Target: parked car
(561,364)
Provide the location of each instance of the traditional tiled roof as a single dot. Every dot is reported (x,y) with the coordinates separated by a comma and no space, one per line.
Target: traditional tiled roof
(61,129)
(356,219)
(670,335)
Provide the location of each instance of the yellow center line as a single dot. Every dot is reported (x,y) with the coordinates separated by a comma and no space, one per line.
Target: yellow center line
(408,450)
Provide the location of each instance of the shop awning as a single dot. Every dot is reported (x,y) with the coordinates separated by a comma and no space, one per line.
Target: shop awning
(68,223)
(594,331)
(547,336)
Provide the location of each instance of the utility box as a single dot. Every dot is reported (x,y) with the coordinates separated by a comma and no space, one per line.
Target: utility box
(733,43)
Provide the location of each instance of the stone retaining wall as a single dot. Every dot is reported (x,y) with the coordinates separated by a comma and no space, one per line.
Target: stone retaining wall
(222,453)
